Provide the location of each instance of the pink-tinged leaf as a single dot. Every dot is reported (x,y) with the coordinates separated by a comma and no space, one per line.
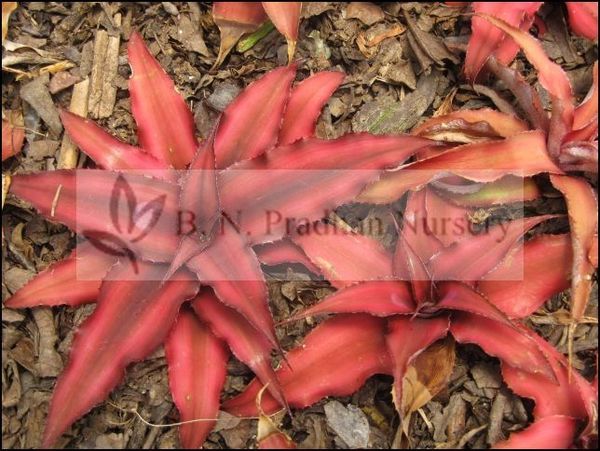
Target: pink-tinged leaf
(198,206)
(232,269)
(587,133)
(473,257)
(250,124)
(286,18)
(312,177)
(281,252)
(587,111)
(551,76)
(133,317)
(593,254)
(466,126)
(197,363)
(556,432)
(165,123)
(335,359)
(248,344)
(415,246)
(73,281)
(448,222)
(583,18)
(107,151)
(463,298)
(579,156)
(479,162)
(527,96)
(582,204)
(530,275)
(561,397)
(406,339)
(512,346)
(346,258)
(304,106)
(13,134)
(507,190)
(416,228)
(84,201)
(485,40)
(375,298)
(235,19)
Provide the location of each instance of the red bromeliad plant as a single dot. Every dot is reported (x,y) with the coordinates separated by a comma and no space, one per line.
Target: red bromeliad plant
(475,288)
(488,40)
(564,142)
(145,270)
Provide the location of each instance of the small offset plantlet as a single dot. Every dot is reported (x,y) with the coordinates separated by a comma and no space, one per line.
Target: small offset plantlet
(202,291)
(235,19)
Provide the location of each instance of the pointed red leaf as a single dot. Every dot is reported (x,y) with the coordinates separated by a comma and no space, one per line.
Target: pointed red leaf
(375,298)
(512,346)
(530,275)
(235,19)
(13,134)
(304,107)
(197,362)
(286,18)
(551,76)
(250,124)
(485,39)
(463,298)
(474,256)
(563,397)
(583,18)
(527,96)
(335,359)
(198,206)
(556,432)
(85,200)
(449,223)
(587,111)
(582,204)
(507,190)
(248,344)
(232,269)
(406,339)
(107,151)
(73,281)
(417,229)
(479,162)
(165,123)
(131,320)
(283,251)
(465,126)
(311,176)
(346,258)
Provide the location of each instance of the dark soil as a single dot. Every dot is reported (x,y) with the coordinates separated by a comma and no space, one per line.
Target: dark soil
(390,87)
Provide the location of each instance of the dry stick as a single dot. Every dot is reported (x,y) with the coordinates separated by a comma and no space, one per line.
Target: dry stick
(68,155)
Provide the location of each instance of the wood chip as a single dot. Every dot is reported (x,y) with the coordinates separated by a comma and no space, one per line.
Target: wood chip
(36,94)
(68,154)
(62,80)
(103,89)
